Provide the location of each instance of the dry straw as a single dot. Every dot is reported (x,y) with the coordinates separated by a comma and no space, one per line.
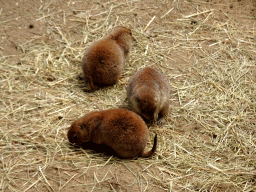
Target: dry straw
(208,142)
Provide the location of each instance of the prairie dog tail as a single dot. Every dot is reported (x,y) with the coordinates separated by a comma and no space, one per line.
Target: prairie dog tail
(152,151)
(92,85)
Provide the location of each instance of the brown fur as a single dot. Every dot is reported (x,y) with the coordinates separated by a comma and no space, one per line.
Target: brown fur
(122,130)
(148,93)
(104,60)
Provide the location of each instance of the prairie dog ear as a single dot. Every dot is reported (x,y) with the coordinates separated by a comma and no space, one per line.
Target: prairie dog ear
(138,99)
(84,133)
(75,138)
(134,101)
(82,127)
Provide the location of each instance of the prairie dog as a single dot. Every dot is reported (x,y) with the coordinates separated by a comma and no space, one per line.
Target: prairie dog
(148,93)
(122,130)
(104,60)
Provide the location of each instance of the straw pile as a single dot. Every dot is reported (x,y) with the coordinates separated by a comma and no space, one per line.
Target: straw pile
(209,140)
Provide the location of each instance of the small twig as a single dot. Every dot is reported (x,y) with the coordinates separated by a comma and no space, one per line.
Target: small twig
(10,20)
(48,15)
(183,149)
(195,14)
(149,23)
(216,168)
(179,97)
(67,182)
(201,24)
(45,178)
(181,177)
(33,184)
(107,161)
(167,13)
(217,86)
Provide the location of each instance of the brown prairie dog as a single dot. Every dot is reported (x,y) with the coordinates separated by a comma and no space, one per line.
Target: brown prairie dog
(122,130)
(104,60)
(148,93)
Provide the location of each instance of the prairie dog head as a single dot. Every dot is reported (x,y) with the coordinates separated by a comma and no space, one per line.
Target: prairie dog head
(145,102)
(123,37)
(78,133)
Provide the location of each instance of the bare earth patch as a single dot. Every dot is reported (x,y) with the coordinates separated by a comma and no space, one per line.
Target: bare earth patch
(207,49)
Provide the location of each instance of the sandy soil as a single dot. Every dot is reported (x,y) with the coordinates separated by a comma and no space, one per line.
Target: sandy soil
(36,155)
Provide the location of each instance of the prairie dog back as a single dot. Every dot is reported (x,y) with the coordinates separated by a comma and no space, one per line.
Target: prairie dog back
(122,130)
(148,93)
(104,60)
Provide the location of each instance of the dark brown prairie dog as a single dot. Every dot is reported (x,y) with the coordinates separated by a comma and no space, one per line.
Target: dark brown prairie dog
(122,130)
(104,60)
(148,93)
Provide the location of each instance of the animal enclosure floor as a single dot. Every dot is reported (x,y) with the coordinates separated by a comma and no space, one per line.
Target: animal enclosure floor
(206,48)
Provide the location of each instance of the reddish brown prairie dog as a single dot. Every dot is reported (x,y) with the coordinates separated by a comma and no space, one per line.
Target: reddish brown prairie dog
(104,60)
(148,93)
(122,130)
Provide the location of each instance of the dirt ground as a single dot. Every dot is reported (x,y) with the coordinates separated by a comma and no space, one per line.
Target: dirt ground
(207,49)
